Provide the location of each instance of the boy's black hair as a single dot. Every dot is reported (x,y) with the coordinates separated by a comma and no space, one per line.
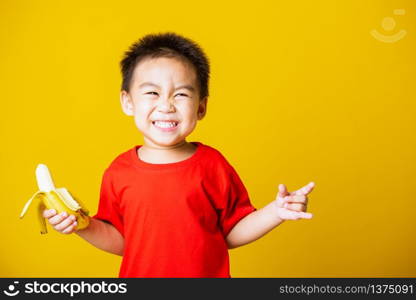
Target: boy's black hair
(166,45)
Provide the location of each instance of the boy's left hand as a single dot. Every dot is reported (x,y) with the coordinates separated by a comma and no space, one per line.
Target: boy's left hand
(292,206)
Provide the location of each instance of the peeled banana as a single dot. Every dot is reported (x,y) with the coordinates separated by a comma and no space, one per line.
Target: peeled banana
(59,199)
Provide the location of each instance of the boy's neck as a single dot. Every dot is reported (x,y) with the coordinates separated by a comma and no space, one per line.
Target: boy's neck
(163,155)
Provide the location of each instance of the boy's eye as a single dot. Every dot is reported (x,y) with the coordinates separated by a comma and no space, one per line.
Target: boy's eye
(182,95)
(151,93)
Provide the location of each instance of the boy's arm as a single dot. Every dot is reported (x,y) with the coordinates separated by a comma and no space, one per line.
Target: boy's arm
(103,236)
(287,206)
(253,226)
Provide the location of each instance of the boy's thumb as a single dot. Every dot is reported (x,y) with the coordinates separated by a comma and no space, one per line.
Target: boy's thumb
(282,190)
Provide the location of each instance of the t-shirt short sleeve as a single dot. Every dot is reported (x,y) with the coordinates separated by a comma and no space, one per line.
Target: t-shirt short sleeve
(237,203)
(108,207)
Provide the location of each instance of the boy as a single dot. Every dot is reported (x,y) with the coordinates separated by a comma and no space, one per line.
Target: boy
(172,208)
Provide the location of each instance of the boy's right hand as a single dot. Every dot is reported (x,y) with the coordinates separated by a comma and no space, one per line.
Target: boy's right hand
(62,223)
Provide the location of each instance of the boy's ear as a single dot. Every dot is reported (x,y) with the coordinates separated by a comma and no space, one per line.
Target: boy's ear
(126,103)
(202,108)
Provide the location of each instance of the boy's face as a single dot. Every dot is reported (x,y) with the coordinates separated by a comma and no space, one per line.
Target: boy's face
(164,100)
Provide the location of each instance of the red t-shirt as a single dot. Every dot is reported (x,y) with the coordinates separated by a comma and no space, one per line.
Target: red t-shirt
(174,217)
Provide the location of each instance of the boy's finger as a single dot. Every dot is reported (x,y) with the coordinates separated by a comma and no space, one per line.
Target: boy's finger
(292,215)
(295,215)
(69,229)
(305,215)
(299,199)
(58,218)
(282,190)
(295,206)
(306,189)
(64,224)
(283,200)
(47,213)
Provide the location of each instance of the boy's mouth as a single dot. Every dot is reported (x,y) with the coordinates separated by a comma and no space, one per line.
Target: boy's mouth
(166,125)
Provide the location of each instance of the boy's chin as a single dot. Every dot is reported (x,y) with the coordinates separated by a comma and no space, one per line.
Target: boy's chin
(159,142)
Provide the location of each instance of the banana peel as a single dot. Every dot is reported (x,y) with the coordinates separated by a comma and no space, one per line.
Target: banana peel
(49,197)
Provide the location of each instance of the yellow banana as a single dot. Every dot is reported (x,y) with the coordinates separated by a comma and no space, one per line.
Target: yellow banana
(59,199)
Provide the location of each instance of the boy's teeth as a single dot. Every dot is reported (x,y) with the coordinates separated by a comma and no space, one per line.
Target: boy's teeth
(165,124)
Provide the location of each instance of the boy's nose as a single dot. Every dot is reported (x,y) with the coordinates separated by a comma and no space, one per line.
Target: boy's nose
(166,105)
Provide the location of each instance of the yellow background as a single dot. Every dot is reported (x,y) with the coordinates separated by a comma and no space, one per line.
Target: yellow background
(300,92)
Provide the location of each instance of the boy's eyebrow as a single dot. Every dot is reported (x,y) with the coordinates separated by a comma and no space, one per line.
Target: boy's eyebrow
(183,86)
